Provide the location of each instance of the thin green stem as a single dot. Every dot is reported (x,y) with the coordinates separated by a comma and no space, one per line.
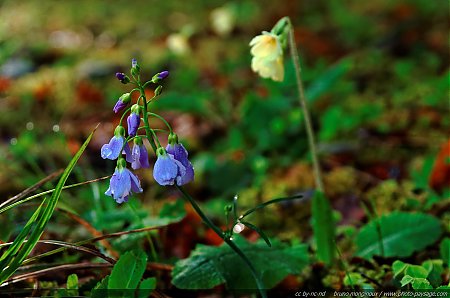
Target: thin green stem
(145,118)
(162,119)
(221,234)
(147,234)
(341,259)
(123,115)
(308,124)
(156,137)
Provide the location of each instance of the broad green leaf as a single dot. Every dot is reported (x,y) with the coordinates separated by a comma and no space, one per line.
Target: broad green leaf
(407,279)
(323,227)
(19,250)
(398,267)
(416,271)
(72,285)
(421,284)
(209,266)
(402,234)
(146,287)
(128,271)
(434,269)
(72,282)
(444,248)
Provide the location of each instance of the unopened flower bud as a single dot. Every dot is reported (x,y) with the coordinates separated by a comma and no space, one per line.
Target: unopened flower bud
(123,78)
(135,68)
(228,208)
(160,76)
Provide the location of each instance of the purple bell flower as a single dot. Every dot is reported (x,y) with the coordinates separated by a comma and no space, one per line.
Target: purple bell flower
(115,145)
(122,102)
(119,106)
(167,169)
(180,154)
(133,120)
(139,155)
(123,183)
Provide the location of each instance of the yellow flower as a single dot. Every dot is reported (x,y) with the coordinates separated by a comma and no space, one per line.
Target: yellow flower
(267,56)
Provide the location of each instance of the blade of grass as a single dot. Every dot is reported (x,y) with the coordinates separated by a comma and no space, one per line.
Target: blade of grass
(31,188)
(70,267)
(47,192)
(14,256)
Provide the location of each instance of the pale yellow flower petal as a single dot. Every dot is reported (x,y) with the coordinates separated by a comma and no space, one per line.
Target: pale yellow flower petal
(267,56)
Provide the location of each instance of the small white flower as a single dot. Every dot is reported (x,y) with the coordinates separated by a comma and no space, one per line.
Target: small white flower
(267,55)
(239,227)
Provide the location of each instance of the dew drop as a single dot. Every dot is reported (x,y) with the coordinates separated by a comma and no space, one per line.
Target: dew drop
(55,128)
(30,125)
(13,141)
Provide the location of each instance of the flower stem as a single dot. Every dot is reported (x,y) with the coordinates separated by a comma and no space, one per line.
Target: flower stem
(162,119)
(303,106)
(231,244)
(147,234)
(145,118)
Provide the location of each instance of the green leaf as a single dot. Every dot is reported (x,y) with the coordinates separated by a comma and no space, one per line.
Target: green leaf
(128,271)
(72,285)
(398,267)
(20,249)
(444,248)
(416,271)
(421,284)
(402,234)
(435,270)
(323,227)
(407,279)
(146,287)
(259,231)
(72,282)
(209,266)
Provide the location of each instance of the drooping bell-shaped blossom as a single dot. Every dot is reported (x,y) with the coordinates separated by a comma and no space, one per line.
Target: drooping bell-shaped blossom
(123,101)
(167,169)
(139,155)
(267,53)
(123,183)
(180,154)
(116,145)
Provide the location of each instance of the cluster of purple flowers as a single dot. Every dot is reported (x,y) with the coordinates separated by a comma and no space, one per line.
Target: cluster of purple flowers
(171,167)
